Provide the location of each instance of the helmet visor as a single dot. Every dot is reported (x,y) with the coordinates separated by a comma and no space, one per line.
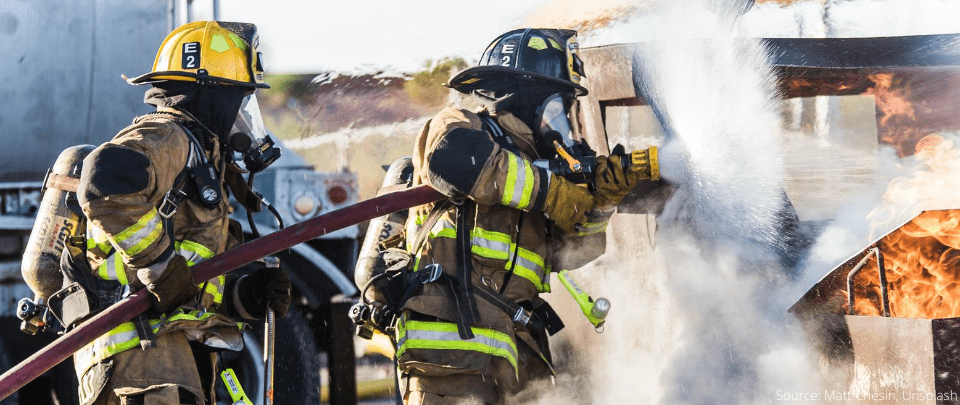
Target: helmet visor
(553,118)
(250,122)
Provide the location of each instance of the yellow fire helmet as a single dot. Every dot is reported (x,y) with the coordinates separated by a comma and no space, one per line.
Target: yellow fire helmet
(209,52)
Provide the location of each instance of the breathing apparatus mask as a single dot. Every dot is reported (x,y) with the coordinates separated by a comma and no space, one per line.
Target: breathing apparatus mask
(554,131)
(249,140)
(554,135)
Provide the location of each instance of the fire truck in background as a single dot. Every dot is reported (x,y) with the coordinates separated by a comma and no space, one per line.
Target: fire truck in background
(60,68)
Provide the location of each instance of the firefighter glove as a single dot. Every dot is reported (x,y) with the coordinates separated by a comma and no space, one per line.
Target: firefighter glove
(174,287)
(567,204)
(619,173)
(266,285)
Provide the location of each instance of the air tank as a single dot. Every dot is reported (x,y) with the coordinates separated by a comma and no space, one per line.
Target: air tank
(399,175)
(56,223)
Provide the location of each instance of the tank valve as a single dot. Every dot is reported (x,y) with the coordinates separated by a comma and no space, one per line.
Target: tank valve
(31,313)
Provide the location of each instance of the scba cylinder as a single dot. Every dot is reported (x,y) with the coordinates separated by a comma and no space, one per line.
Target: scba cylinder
(399,175)
(55,225)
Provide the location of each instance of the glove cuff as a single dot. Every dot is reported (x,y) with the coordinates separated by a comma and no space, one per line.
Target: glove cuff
(245,302)
(154,271)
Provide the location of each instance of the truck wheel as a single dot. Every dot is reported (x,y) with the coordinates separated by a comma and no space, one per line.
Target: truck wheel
(297,366)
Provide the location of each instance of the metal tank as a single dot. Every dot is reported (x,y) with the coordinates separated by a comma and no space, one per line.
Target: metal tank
(60,63)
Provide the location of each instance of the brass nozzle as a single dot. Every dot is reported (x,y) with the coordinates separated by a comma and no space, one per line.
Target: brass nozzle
(646,162)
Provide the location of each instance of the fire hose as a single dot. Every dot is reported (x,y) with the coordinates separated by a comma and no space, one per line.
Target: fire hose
(140,301)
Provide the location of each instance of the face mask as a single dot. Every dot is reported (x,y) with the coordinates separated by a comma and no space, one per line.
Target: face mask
(554,124)
(553,129)
(249,140)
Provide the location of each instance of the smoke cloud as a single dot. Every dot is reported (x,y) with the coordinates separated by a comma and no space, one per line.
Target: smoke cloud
(698,316)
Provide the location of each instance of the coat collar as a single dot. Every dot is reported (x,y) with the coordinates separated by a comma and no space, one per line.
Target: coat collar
(521,133)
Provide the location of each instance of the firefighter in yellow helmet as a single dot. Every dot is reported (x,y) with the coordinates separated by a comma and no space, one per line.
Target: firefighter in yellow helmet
(480,334)
(155,198)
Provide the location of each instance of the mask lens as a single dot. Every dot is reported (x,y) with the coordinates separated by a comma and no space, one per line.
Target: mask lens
(249,120)
(250,139)
(554,118)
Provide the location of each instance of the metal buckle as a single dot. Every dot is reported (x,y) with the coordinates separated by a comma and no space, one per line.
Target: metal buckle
(169,202)
(522,317)
(434,273)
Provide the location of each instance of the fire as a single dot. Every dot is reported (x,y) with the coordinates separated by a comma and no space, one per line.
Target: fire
(911,105)
(922,262)
(895,112)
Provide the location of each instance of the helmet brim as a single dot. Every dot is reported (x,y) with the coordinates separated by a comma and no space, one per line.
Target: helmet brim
(474,78)
(154,77)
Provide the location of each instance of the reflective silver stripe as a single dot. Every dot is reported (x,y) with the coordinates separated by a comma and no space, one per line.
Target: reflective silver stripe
(113,269)
(192,251)
(521,181)
(140,235)
(151,273)
(97,239)
(492,249)
(120,339)
(444,336)
(444,228)
(529,266)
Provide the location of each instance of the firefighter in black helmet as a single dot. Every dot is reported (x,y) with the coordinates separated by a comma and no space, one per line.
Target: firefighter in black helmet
(480,336)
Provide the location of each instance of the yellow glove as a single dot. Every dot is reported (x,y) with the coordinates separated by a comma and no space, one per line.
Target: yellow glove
(567,204)
(613,182)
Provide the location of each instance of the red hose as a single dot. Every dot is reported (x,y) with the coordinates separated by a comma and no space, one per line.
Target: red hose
(43,360)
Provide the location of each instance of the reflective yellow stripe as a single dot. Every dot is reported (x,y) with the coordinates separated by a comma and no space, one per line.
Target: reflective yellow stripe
(140,235)
(192,251)
(498,246)
(113,269)
(529,266)
(511,180)
(519,184)
(420,218)
(215,289)
(444,336)
(190,316)
(443,229)
(117,340)
(97,239)
(490,244)
(124,337)
(527,185)
(591,228)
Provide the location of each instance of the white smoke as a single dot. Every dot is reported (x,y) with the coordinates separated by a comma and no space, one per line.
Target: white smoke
(700,309)
(697,316)
(932,181)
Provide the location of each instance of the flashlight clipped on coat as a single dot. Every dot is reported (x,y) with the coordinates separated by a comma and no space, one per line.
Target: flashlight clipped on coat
(595,310)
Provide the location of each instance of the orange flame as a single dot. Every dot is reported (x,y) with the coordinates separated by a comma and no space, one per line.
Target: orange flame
(922,262)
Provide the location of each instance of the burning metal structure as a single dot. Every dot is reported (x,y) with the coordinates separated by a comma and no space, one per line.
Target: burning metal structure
(887,320)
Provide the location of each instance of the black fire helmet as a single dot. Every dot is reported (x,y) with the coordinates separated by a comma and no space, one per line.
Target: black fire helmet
(544,55)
